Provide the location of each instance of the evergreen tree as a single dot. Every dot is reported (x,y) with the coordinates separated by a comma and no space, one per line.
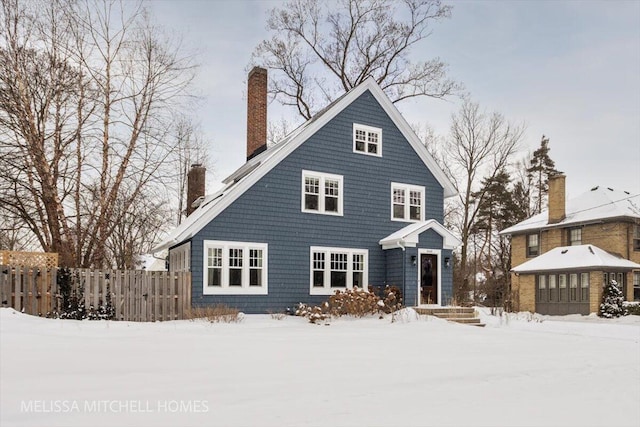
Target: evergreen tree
(612,301)
(497,210)
(541,168)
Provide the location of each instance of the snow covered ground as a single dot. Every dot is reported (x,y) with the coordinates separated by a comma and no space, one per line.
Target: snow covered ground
(520,370)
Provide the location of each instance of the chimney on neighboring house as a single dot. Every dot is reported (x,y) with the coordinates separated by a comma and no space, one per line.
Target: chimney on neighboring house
(195,185)
(557,207)
(256,112)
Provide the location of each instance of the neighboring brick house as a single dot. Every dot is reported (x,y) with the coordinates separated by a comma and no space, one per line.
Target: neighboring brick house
(350,198)
(562,257)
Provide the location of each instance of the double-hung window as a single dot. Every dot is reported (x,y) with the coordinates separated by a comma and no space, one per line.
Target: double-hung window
(337,269)
(367,140)
(636,237)
(407,202)
(533,245)
(636,286)
(234,268)
(322,193)
(575,236)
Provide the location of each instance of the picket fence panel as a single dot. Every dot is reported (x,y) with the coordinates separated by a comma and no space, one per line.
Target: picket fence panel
(136,295)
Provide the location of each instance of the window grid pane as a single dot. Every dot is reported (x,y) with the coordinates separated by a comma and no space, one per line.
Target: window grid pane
(331,191)
(318,269)
(339,265)
(415,203)
(339,261)
(398,203)
(562,284)
(584,285)
(573,287)
(361,139)
(553,293)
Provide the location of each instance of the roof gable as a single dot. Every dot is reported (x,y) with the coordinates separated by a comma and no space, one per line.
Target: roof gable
(409,235)
(595,205)
(252,171)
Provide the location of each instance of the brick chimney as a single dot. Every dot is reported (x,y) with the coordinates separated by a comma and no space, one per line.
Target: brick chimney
(557,206)
(195,185)
(256,112)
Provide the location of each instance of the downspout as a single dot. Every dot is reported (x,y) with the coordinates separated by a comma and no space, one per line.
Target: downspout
(400,244)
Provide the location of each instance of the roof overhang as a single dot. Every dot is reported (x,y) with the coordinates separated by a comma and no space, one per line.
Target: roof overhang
(580,257)
(410,235)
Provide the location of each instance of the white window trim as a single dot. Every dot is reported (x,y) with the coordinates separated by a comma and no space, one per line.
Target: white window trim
(322,177)
(179,258)
(367,129)
(407,205)
(327,289)
(225,289)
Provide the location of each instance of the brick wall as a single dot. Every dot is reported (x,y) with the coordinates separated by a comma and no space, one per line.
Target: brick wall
(524,288)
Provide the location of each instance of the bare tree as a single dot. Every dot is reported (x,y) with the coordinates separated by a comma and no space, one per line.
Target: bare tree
(320,50)
(480,146)
(88,90)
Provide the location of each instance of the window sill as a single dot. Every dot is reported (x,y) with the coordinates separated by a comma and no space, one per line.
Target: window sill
(211,290)
(322,213)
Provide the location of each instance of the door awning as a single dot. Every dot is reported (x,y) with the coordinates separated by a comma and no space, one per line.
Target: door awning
(409,235)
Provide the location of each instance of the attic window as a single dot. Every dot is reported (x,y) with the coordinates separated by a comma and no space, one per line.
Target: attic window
(367,140)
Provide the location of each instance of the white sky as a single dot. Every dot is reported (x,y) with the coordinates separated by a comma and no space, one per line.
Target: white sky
(568,69)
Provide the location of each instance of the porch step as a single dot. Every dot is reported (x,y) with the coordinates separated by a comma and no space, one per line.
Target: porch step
(464,315)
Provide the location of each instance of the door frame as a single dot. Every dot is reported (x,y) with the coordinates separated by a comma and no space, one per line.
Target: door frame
(438,254)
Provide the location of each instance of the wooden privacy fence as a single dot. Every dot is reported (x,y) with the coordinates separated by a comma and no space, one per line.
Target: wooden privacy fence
(136,295)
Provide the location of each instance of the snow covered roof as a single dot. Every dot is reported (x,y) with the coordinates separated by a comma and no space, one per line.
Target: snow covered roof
(249,173)
(408,236)
(595,205)
(574,257)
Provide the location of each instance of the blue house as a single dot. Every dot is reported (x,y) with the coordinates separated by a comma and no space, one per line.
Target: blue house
(349,199)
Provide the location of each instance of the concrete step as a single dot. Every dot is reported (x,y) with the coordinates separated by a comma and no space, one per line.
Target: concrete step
(455,315)
(464,315)
(434,311)
(461,320)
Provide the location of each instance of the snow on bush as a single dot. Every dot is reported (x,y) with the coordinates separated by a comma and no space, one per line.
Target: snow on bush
(612,301)
(355,302)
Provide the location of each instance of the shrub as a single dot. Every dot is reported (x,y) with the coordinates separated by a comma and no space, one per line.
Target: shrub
(392,299)
(354,302)
(633,308)
(612,301)
(218,313)
(277,315)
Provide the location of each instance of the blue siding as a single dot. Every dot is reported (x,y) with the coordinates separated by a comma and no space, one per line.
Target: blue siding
(269,211)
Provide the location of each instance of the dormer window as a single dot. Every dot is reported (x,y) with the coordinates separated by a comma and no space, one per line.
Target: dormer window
(367,140)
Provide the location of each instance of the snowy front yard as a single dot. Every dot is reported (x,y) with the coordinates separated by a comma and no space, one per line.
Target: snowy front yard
(569,371)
